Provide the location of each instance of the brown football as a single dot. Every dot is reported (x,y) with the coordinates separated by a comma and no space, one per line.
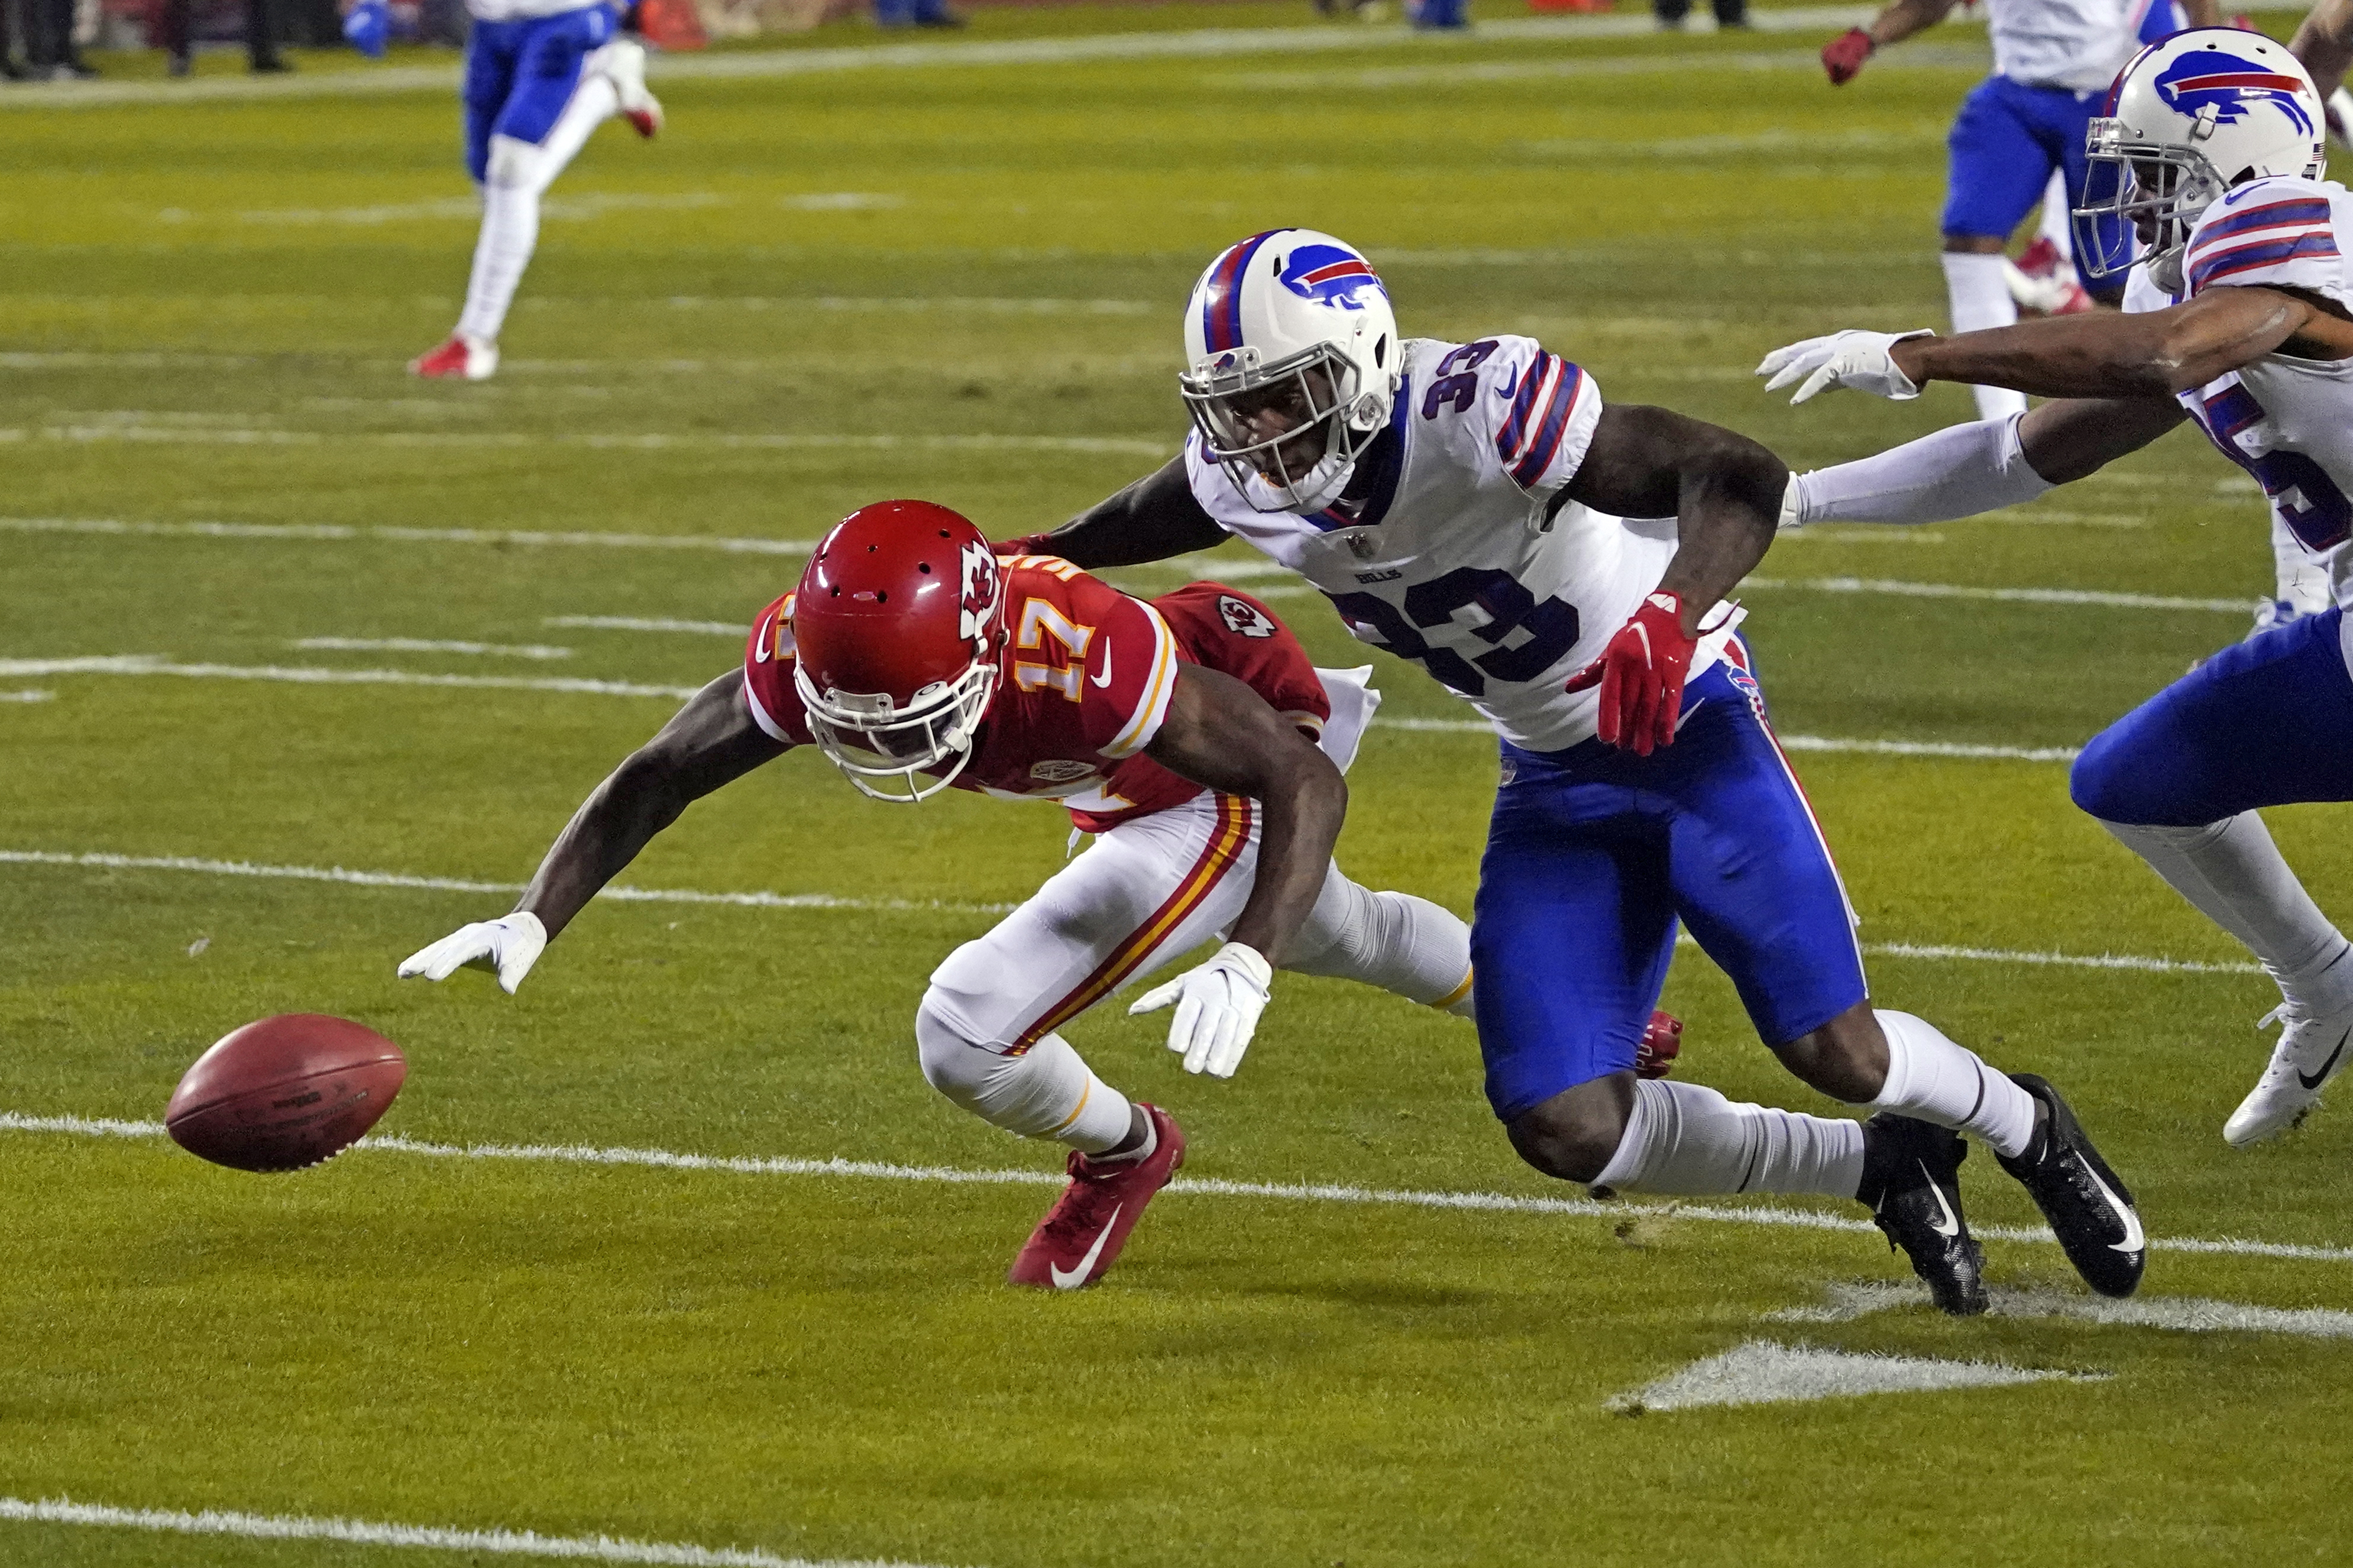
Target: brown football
(285,1092)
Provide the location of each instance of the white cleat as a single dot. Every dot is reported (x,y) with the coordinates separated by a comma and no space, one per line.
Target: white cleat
(2312,1049)
(622,62)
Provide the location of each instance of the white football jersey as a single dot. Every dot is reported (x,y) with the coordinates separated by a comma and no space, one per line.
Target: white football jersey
(2076,44)
(2288,422)
(1449,562)
(525,10)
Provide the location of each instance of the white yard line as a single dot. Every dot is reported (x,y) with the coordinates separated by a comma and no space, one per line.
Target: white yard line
(109,861)
(1762,1372)
(1848,1301)
(29,696)
(1468,73)
(644,441)
(895,305)
(432,1538)
(319,674)
(1284,1192)
(1211,43)
(2071,596)
(738,631)
(336,532)
(430,644)
(99,860)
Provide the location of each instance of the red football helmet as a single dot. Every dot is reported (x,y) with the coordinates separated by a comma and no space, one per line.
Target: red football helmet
(898,627)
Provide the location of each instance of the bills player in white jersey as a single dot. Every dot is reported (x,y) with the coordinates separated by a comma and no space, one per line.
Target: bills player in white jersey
(2241,318)
(2052,59)
(1476,508)
(540,75)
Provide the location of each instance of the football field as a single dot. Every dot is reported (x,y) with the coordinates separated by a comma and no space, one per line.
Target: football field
(674,1257)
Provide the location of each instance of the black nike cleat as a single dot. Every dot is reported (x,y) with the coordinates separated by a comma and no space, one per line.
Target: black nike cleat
(1911,1181)
(2090,1210)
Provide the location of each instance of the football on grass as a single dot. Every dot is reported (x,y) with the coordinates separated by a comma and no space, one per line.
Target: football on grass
(285,1092)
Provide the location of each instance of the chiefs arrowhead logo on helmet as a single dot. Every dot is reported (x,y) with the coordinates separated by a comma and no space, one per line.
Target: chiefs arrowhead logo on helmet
(983,588)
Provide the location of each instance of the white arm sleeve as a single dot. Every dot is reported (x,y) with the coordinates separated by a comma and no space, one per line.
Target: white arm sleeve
(1959,471)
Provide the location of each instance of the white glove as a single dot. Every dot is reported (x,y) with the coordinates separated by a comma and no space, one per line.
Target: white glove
(2340,118)
(1218,1006)
(1856,359)
(507,945)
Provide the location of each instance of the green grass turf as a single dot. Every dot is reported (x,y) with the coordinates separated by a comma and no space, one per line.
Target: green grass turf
(206,309)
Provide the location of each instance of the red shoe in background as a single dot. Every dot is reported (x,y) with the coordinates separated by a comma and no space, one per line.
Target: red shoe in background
(459,359)
(1083,1234)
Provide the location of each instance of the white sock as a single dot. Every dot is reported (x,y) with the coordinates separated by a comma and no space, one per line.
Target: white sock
(1046,1093)
(519,173)
(1981,299)
(1687,1138)
(1394,940)
(1935,1079)
(2235,875)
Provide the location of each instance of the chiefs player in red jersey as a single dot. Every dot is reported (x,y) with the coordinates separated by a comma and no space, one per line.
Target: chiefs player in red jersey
(1189,736)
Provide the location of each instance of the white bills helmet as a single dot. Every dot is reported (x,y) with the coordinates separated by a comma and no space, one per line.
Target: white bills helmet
(1292,365)
(2187,119)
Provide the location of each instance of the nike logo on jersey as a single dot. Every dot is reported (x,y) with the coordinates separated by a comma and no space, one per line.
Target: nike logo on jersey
(2315,1079)
(1510,386)
(1103,679)
(1072,1278)
(1952,1225)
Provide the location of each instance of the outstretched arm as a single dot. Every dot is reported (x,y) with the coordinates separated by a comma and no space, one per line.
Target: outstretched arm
(1152,518)
(2100,353)
(1965,469)
(2153,353)
(1844,54)
(710,741)
(1724,492)
(1221,734)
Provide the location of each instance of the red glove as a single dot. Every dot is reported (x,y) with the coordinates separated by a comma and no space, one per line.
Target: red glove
(1843,56)
(1641,674)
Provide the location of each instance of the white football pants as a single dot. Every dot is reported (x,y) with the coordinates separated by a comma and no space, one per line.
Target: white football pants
(1145,893)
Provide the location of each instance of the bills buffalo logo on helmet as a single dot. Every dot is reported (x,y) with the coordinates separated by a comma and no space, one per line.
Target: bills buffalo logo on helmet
(981,587)
(2206,79)
(1329,276)
(1243,618)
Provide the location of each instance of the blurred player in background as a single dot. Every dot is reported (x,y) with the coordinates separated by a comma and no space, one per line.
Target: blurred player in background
(2240,318)
(2052,61)
(1477,509)
(540,75)
(1183,735)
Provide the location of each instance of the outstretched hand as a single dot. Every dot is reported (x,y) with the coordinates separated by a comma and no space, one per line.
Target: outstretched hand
(507,947)
(1860,360)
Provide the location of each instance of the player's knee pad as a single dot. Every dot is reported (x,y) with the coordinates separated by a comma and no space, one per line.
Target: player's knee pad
(2115,779)
(514,165)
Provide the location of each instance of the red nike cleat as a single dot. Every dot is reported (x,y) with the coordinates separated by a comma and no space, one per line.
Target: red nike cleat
(1081,1236)
(1661,1043)
(459,359)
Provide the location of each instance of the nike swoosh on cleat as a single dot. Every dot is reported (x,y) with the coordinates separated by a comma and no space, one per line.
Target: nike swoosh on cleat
(2134,1241)
(1952,1225)
(2314,1080)
(1104,678)
(1072,1278)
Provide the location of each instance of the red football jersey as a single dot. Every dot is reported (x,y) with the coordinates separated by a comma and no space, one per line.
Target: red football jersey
(1085,685)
